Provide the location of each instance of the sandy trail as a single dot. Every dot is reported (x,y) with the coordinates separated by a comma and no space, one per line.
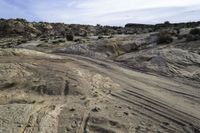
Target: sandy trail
(174,106)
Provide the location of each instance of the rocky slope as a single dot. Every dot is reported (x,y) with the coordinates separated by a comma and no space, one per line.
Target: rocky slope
(17,27)
(100,81)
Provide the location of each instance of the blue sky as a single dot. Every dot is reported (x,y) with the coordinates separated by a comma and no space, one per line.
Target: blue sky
(105,12)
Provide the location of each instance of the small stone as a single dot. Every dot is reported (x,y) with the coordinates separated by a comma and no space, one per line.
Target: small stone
(28,125)
(83,98)
(74,124)
(96,109)
(166,123)
(126,113)
(72,110)
(95,95)
(129,107)
(74,85)
(142,123)
(67,129)
(141,128)
(19,125)
(53,107)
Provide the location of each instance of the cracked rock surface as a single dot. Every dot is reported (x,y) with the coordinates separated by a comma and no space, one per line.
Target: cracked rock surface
(53,93)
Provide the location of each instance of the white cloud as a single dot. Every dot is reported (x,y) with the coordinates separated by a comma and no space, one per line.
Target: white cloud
(116,12)
(123,5)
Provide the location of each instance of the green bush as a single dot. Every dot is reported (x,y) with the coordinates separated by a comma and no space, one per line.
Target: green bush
(195,31)
(70,37)
(164,38)
(194,35)
(191,37)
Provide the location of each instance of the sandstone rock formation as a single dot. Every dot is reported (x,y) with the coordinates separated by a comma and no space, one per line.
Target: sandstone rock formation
(104,80)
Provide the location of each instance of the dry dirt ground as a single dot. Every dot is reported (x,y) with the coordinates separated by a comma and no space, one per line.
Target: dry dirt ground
(46,93)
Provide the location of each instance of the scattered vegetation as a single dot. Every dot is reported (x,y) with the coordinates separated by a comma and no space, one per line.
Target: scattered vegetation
(83,33)
(46,41)
(24,41)
(43,39)
(100,37)
(164,38)
(195,31)
(70,36)
(194,35)
(191,37)
(80,40)
(21,41)
(167,23)
(58,41)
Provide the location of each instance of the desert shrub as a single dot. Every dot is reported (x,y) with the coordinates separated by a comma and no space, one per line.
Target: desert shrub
(164,38)
(43,36)
(194,35)
(58,41)
(57,37)
(21,20)
(111,36)
(195,31)
(70,36)
(180,37)
(43,39)
(167,23)
(83,33)
(24,41)
(21,41)
(191,37)
(61,40)
(80,40)
(100,37)
(55,42)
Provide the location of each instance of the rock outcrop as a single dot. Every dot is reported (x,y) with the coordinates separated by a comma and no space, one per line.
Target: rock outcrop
(57,78)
